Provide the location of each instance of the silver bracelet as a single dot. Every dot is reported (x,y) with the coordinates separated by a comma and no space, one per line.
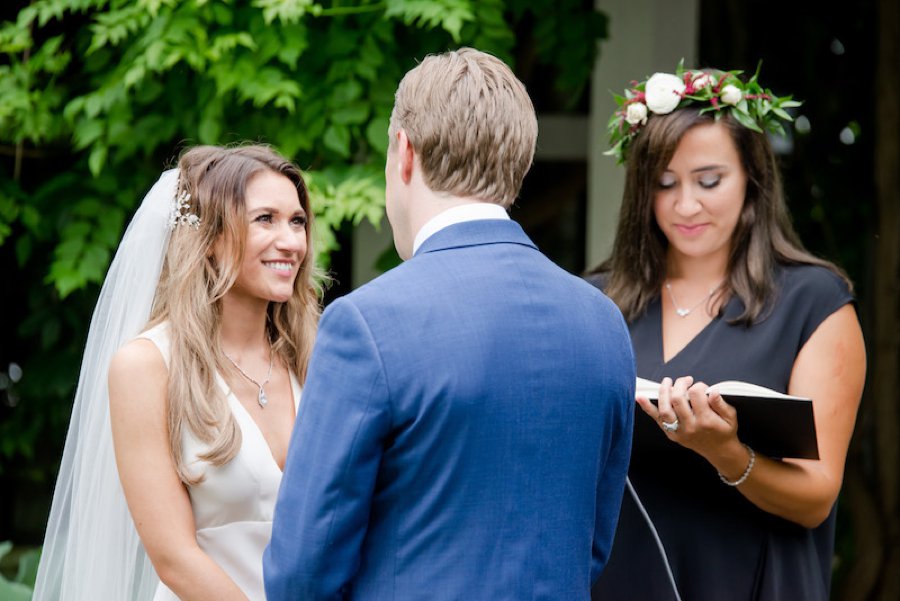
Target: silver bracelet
(746,473)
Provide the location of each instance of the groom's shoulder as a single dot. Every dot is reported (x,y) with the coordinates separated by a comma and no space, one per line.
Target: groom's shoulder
(388,288)
(397,282)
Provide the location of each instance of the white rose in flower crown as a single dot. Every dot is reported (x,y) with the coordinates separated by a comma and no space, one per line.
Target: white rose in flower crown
(731,95)
(663,92)
(703,80)
(636,113)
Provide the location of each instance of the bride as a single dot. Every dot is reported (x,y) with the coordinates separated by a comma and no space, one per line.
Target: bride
(190,385)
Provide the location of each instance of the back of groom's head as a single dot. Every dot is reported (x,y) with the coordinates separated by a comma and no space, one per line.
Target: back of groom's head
(471,123)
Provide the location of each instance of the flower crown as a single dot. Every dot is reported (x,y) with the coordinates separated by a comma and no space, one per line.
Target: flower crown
(753,106)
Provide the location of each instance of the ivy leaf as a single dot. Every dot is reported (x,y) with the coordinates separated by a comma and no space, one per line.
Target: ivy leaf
(97,159)
(209,130)
(346,92)
(87,131)
(13,591)
(377,134)
(94,262)
(286,11)
(450,15)
(351,114)
(337,138)
(110,220)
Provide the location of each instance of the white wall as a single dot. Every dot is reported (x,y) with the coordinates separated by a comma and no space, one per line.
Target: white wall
(645,36)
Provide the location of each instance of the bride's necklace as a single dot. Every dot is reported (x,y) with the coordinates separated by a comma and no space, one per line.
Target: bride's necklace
(262,399)
(681,311)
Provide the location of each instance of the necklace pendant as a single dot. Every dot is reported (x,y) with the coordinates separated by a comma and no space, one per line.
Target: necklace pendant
(263,400)
(682,312)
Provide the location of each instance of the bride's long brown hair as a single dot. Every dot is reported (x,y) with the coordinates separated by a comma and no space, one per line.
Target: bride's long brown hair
(192,284)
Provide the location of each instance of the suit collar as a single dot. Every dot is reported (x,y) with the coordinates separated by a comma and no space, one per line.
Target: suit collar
(470,211)
(475,233)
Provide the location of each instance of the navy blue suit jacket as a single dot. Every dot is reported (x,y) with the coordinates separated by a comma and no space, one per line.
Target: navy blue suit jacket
(464,432)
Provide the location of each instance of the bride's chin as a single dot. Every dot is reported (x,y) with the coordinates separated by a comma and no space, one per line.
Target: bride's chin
(281,298)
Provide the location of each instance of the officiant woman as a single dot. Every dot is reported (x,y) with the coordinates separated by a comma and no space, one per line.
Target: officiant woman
(716,286)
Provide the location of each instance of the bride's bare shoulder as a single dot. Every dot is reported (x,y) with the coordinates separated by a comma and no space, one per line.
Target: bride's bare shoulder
(138,368)
(138,355)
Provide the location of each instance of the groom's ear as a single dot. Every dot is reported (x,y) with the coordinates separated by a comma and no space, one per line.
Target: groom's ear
(406,156)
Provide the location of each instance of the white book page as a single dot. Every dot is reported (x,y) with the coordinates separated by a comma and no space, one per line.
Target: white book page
(748,389)
(649,389)
(646,388)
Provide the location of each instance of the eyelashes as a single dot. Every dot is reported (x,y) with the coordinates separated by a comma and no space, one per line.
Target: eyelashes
(707,182)
(710,182)
(268,218)
(666,181)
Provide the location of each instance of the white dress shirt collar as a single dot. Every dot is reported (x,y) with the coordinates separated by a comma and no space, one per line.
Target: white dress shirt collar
(472,211)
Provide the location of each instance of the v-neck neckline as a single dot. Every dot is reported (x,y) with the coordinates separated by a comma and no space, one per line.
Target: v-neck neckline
(236,405)
(661,349)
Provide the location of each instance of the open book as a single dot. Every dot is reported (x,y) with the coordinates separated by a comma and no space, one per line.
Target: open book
(772,423)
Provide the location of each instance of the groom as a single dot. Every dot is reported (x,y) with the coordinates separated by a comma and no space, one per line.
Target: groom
(465,427)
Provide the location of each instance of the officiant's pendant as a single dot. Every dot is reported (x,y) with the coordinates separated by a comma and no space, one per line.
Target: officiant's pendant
(682,312)
(263,400)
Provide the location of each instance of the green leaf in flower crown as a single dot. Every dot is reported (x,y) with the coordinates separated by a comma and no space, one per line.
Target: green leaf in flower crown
(614,123)
(776,128)
(784,115)
(746,120)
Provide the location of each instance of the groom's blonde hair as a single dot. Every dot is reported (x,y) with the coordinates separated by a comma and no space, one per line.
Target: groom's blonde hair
(471,123)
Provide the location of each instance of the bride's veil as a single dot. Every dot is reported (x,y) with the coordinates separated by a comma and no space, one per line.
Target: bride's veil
(91,548)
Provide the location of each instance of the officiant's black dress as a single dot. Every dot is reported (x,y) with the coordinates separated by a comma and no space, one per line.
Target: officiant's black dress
(720,546)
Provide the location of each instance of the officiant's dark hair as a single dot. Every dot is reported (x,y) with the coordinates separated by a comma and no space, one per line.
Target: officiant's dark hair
(763,237)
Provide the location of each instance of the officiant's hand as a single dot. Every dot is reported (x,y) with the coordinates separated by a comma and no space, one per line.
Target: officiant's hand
(694,416)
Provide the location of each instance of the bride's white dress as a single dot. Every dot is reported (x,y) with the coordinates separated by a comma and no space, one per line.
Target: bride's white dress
(234,504)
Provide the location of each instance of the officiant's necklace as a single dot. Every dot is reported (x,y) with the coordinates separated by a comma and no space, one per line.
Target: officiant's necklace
(681,311)
(262,399)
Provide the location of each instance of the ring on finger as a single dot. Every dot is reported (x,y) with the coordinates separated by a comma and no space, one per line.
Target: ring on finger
(670,426)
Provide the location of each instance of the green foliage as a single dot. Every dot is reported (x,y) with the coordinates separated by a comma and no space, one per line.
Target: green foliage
(20,587)
(451,15)
(566,36)
(127,83)
(345,194)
